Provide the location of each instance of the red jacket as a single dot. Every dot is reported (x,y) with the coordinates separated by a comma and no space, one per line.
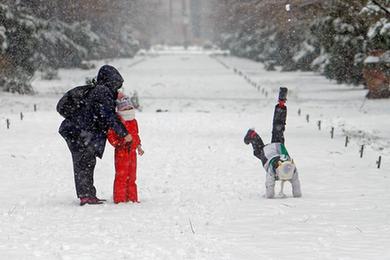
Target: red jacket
(119,142)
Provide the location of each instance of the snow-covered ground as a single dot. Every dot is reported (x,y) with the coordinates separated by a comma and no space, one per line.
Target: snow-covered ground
(200,187)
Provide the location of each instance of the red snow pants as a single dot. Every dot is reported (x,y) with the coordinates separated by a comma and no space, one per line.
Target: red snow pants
(125,188)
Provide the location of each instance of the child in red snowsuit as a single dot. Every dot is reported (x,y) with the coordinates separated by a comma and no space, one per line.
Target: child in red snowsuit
(125,188)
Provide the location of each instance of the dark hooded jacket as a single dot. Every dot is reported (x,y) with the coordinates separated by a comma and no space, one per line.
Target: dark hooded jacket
(89,126)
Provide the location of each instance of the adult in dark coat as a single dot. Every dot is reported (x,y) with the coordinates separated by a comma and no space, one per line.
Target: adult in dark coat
(86,131)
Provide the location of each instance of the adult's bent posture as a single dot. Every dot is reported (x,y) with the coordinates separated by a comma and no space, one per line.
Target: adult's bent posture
(85,131)
(274,156)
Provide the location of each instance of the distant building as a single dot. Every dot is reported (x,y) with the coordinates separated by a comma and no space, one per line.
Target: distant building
(181,22)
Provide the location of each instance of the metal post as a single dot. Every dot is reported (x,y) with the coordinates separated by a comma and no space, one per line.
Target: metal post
(361,151)
(379,161)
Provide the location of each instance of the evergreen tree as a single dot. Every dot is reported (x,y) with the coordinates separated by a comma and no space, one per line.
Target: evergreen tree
(378,34)
(341,35)
(40,34)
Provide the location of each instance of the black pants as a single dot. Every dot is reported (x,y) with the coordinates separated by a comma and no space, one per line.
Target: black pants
(278,127)
(84,161)
(279,124)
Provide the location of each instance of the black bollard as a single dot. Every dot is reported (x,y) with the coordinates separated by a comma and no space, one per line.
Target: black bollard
(379,162)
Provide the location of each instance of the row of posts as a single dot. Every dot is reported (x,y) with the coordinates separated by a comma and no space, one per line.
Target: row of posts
(8,121)
(361,151)
(251,82)
(246,77)
(222,63)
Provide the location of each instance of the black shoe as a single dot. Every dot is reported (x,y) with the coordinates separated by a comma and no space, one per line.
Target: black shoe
(283,94)
(250,136)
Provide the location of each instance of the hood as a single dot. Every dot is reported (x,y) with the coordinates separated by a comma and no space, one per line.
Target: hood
(110,77)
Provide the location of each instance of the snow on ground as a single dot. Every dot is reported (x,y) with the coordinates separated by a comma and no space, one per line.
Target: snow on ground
(200,187)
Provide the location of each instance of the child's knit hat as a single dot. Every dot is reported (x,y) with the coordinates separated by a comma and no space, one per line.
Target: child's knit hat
(123,102)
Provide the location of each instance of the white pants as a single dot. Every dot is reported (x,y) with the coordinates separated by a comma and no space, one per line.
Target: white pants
(270,185)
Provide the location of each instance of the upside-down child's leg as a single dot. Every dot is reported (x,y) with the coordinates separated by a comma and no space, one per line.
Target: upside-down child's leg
(279,119)
(253,138)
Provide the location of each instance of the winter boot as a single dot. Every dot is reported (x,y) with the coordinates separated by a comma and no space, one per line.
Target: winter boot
(90,200)
(253,138)
(250,136)
(102,200)
(282,97)
(283,94)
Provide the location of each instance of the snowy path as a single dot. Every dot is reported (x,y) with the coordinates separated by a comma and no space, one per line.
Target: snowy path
(200,187)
